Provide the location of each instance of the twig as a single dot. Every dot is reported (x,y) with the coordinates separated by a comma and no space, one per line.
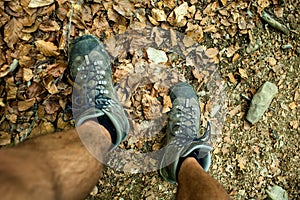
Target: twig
(69,27)
(275,24)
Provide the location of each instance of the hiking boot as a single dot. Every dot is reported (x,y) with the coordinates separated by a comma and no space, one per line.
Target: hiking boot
(183,133)
(94,96)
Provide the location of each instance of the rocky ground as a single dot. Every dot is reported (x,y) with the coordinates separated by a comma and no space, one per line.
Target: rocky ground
(246,43)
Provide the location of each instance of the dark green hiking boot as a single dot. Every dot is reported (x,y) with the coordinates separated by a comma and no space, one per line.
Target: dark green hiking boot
(94,96)
(183,133)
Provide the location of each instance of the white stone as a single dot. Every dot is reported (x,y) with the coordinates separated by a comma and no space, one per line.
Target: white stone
(157,56)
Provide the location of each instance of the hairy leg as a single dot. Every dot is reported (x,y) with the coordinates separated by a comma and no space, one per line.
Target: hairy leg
(53,166)
(195,183)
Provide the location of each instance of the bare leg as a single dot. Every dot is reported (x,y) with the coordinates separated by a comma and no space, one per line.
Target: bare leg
(195,183)
(53,166)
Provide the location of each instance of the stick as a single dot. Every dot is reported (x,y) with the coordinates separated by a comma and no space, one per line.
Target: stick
(275,24)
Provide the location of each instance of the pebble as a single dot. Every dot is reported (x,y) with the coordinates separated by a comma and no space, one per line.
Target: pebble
(157,56)
(261,102)
(277,193)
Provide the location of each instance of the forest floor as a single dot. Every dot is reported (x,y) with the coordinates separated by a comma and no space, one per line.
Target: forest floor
(239,45)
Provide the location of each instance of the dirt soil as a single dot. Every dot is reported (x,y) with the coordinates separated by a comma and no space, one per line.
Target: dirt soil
(250,42)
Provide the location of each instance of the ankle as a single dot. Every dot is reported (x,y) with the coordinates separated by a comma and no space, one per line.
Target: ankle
(93,125)
(187,163)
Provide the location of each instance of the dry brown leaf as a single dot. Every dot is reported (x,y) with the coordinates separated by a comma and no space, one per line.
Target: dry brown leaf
(12,118)
(231,78)
(29,20)
(188,41)
(153,21)
(43,128)
(169,3)
(31,29)
(40,3)
(2,104)
(11,91)
(27,74)
(242,23)
(25,105)
(34,90)
(5,138)
(57,69)
(195,32)
(124,8)
(243,73)
(242,161)
(49,26)
(223,2)
(11,32)
(49,84)
(293,105)
(236,56)
(46,48)
(210,28)
(272,61)
(262,4)
(235,110)
(167,104)
(230,51)
(199,76)
(294,124)
(278,11)
(51,107)
(159,15)
(212,52)
(177,17)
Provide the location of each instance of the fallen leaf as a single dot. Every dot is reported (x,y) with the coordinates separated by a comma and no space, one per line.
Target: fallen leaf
(272,61)
(6,69)
(262,4)
(11,32)
(5,138)
(293,105)
(223,2)
(25,105)
(49,26)
(243,73)
(212,52)
(167,104)
(242,160)
(242,23)
(235,110)
(294,124)
(124,8)
(43,128)
(159,15)
(2,104)
(51,107)
(57,69)
(195,32)
(236,56)
(40,3)
(231,78)
(278,11)
(12,118)
(34,90)
(27,74)
(46,48)
(177,16)
(199,76)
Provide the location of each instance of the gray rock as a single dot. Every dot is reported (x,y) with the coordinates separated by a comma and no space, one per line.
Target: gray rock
(277,193)
(157,56)
(261,102)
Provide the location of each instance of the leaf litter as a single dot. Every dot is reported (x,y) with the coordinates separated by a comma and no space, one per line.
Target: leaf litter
(252,42)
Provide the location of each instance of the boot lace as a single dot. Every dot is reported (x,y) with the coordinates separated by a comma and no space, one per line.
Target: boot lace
(94,95)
